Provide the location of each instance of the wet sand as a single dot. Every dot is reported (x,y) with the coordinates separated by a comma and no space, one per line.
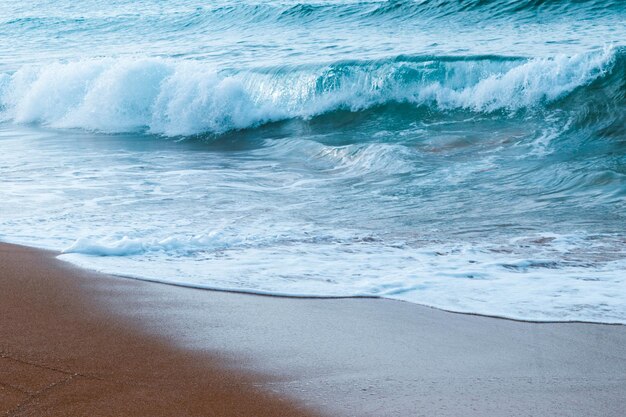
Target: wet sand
(63,355)
(340,357)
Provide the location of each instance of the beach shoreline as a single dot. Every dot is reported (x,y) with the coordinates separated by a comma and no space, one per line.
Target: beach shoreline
(63,354)
(282,356)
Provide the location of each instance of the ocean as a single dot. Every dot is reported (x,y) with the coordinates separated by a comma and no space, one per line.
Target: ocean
(465,155)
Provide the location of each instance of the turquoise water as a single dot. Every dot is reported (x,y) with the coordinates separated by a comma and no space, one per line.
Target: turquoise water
(465,155)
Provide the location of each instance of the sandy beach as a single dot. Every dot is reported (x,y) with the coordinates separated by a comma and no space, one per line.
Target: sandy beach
(64,354)
(74,342)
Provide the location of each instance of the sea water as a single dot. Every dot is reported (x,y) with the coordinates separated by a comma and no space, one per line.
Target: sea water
(467,155)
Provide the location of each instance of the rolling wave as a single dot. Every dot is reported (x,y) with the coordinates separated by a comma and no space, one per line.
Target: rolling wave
(179,97)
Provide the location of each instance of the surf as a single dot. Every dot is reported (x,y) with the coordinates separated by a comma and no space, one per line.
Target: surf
(179,97)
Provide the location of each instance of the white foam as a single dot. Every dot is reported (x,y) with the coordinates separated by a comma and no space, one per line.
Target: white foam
(126,246)
(524,85)
(511,280)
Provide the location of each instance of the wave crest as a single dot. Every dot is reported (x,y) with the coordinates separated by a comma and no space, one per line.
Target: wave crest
(171,97)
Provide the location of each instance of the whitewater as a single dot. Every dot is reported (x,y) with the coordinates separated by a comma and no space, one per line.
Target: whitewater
(469,156)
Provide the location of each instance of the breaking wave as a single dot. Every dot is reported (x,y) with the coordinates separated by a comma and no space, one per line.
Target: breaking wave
(181,97)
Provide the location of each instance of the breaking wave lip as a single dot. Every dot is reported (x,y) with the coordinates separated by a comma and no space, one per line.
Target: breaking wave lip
(180,97)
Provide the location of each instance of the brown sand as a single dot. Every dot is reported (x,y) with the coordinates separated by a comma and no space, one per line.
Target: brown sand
(60,355)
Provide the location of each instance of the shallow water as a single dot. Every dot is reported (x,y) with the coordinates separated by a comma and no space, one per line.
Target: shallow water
(466,156)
